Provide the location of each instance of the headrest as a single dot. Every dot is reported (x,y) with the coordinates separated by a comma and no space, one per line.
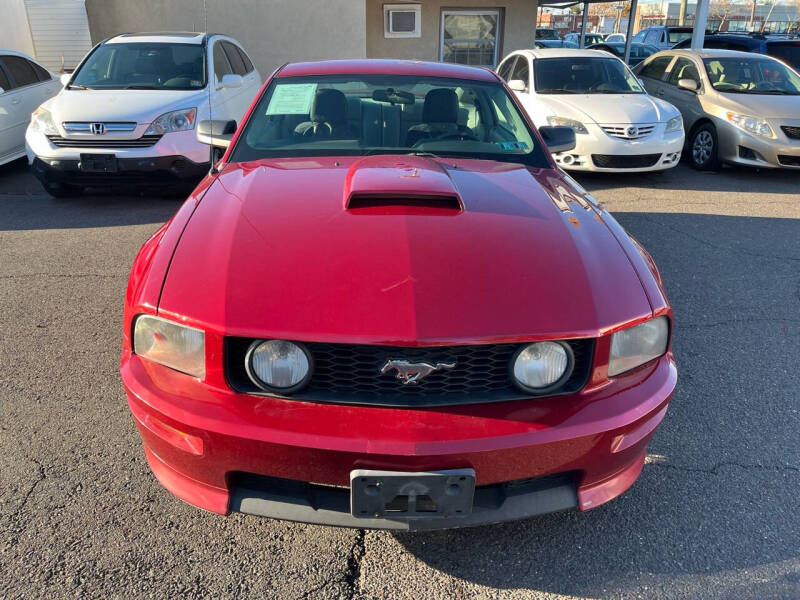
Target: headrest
(329,106)
(441,106)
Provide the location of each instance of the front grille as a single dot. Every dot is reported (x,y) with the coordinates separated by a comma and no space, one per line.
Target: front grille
(624,161)
(350,374)
(789,161)
(621,131)
(146,141)
(791,132)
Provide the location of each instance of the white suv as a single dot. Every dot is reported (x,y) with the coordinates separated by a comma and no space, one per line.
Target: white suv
(127,114)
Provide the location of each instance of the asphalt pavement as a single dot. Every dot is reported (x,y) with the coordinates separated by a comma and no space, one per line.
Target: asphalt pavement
(715,513)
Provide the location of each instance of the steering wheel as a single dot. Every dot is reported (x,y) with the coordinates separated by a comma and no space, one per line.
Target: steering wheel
(460,135)
(318,131)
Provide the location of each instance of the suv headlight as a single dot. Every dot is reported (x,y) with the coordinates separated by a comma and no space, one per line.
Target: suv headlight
(177,120)
(42,121)
(576,126)
(637,345)
(752,125)
(674,124)
(170,344)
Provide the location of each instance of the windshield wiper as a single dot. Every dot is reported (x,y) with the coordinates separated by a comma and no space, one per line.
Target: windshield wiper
(779,92)
(140,87)
(557,91)
(78,86)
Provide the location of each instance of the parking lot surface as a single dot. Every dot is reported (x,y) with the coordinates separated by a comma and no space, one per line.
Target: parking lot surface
(715,513)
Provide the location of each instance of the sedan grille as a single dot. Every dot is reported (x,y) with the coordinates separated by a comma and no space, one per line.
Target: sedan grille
(791,132)
(146,141)
(350,374)
(628,132)
(625,161)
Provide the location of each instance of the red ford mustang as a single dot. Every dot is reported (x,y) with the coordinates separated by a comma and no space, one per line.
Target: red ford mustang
(388,308)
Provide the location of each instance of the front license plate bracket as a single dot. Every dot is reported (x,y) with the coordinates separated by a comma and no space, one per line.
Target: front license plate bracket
(398,495)
(98,163)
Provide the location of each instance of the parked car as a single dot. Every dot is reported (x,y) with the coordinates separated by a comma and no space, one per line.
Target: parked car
(737,107)
(24,85)
(545,33)
(777,46)
(662,37)
(589,38)
(301,342)
(638,51)
(613,38)
(618,126)
(554,44)
(128,113)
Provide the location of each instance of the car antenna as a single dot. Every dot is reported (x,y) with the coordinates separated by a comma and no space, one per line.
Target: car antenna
(211,73)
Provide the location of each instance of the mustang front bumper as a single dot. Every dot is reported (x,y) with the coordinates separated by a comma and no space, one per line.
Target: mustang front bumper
(224,451)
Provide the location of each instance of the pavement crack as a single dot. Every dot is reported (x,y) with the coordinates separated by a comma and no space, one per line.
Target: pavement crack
(41,477)
(353,573)
(735,322)
(720,465)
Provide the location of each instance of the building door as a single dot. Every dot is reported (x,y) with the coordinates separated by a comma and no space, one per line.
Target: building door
(470,37)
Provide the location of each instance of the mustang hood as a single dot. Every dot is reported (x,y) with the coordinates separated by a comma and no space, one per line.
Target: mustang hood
(610,108)
(399,249)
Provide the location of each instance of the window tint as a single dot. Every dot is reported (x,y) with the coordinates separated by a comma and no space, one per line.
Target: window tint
(683,69)
(42,73)
(248,64)
(21,70)
(639,37)
(505,69)
(222,65)
(655,68)
(653,37)
(521,71)
(4,83)
(234,58)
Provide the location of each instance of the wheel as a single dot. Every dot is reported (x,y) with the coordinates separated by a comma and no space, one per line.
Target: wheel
(703,149)
(63,190)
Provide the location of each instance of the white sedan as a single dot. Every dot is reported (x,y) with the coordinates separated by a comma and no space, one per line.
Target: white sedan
(24,85)
(618,126)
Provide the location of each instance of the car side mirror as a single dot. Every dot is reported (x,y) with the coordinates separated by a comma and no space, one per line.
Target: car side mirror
(217,133)
(518,85)
(231,81)
(688,84)
(65,77)
(558,138)
(2,91)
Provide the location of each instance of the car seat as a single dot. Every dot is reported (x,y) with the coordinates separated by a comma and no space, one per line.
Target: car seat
(328,116)
(439,117)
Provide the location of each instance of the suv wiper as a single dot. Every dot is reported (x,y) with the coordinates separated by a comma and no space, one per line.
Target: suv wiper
(140,87)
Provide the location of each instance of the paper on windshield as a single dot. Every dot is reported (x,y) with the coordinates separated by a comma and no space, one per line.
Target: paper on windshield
(292,99)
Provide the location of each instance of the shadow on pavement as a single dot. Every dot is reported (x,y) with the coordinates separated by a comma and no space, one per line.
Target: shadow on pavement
(718,497)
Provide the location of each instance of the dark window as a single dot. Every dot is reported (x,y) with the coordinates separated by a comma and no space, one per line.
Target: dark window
(788,52)
(4,83)
(248,64)
(655,68)
(222,65)
(21,70)
(42,73)
(683,69)
(235,58)
(653,37)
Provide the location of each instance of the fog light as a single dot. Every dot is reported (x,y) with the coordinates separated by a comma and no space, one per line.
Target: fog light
(278,366)
(543,366)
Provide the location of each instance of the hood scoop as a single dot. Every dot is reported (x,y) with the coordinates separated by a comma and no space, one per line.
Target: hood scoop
(398,184)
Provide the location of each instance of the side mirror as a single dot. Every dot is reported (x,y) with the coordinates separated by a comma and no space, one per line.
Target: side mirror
(231,81)
(688,84)
(216,133)
(2,91)
(518,85)
(65,77)
(641,81)
(558,138)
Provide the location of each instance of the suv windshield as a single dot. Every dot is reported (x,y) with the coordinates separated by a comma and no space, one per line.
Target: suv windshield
(143,66)
(678,36)
(752,76)
(547,34)
(574,75)
(332,115)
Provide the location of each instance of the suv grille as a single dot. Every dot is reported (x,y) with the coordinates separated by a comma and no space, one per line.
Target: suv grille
(350,374)
(143,142)
(624,161)
(621,131)
(791,132)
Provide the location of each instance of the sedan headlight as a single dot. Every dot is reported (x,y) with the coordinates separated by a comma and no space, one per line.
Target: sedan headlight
(752,125)
(576,126)
(177,120)
(542,366)
(170,344)
(278,365)
(637,345)
(674,124)
(42,121)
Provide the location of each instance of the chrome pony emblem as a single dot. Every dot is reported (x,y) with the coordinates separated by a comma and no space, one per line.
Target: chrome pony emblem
(411,373)
(632,131)
(97,128)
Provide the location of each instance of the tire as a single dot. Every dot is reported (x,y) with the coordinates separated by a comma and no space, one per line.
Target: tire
(63,190)
(704,148)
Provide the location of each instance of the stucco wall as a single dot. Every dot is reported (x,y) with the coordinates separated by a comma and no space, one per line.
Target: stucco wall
(272,31)
(519,21)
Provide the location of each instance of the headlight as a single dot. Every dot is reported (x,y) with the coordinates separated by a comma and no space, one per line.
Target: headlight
(542,366)
(674,124)
(278,366)
(42,120)
(637,345)
(177,120)
(170,344)
(752,125)
(576,126)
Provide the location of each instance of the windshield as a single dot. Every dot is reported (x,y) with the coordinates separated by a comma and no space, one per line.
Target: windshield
(143,66)
(387,114)
(752,76)
(788,52)
(678,36)
(574,75)
(547,34)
